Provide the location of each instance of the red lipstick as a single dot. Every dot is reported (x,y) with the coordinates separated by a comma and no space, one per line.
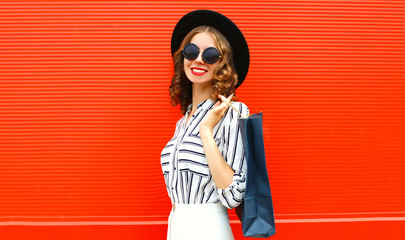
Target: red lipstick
(198,71)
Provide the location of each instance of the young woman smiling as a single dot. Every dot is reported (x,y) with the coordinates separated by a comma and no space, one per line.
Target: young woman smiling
(204,163)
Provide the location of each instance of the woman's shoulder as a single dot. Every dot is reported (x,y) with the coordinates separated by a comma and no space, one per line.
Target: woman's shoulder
(240,105)
(238,108)
(180,121)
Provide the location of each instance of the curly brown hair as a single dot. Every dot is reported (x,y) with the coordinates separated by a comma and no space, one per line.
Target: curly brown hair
(225,76)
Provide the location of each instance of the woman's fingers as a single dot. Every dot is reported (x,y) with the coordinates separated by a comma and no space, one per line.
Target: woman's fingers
(222,97)
(225,101)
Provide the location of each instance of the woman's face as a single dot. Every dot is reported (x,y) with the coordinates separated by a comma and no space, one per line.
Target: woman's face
(197,70)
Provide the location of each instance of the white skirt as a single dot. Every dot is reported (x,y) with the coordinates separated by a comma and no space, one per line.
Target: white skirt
(199,221)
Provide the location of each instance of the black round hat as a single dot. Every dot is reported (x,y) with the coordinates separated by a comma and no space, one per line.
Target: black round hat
(240,49)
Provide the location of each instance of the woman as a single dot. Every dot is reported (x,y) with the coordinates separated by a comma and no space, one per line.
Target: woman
(204,163)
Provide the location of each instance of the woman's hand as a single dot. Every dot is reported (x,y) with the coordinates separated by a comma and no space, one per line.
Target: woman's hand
(214,115)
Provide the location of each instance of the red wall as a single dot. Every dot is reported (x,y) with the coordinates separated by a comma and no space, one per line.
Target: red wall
(84,114)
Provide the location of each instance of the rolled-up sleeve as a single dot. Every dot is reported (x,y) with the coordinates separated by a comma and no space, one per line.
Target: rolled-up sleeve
(234,155)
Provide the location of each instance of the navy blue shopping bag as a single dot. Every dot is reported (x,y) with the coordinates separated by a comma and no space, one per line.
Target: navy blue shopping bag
(256,212)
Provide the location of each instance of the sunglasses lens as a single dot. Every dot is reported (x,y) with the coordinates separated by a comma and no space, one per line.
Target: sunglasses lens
(211,55)
(190,51)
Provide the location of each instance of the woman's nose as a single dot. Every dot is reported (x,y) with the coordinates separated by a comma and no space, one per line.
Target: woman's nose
(199,58)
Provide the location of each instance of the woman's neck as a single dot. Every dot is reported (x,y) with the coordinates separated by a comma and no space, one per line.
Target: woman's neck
(201,92)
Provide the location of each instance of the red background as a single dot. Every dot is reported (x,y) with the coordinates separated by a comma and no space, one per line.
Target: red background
(84,114)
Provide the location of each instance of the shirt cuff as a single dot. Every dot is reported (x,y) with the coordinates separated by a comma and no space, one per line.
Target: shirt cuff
(233,195)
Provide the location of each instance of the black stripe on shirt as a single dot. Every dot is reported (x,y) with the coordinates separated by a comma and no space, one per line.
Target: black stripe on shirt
(193,162)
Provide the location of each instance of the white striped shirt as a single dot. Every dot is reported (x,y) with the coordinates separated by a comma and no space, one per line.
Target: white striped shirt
(185,168)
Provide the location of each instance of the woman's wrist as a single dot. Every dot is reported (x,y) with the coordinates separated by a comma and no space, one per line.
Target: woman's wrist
(205,131)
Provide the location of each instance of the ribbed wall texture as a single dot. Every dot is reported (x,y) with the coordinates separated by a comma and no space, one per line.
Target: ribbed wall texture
(85,110)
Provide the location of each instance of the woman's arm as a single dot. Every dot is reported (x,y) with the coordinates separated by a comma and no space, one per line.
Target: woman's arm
(221,172)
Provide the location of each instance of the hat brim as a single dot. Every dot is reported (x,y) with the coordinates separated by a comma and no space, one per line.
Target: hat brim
(240,49)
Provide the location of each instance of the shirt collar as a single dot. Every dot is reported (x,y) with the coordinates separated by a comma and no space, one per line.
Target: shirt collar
(204,105)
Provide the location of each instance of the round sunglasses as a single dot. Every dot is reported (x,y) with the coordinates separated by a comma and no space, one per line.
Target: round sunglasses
(210,55)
